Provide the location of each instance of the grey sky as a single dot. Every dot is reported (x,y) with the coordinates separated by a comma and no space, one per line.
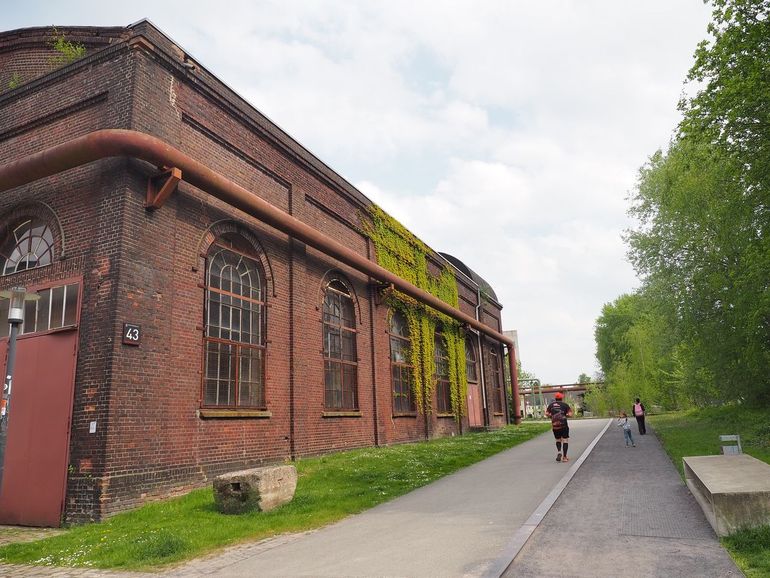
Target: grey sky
(506,133)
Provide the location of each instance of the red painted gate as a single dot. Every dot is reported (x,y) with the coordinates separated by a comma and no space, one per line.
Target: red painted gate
(37,449)
(474,405)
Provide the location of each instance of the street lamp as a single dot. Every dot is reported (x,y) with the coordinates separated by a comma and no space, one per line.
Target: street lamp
(17,296)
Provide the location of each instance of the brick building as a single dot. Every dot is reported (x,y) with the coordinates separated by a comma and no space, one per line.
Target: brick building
(210,298)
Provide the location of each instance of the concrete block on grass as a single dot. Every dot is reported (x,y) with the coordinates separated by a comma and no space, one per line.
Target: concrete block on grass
(261,489)
(733,490)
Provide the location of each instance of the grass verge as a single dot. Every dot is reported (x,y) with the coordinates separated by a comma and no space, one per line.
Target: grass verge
(329,488)
(696,433)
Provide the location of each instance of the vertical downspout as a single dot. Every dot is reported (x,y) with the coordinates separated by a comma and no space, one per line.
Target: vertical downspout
(372,292)
(425,399)
(459,393)
(292,367)
(514,385)
(481,359)
(508,398)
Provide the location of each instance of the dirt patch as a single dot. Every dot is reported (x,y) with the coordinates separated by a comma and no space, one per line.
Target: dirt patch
(12,534)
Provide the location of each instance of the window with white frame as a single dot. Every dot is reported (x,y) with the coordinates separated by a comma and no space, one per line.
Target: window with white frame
(56,308)
(29,245)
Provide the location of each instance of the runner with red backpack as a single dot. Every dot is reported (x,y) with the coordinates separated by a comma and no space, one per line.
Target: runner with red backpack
(559,411)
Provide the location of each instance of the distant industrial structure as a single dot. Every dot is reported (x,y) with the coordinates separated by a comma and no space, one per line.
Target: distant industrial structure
(536,397)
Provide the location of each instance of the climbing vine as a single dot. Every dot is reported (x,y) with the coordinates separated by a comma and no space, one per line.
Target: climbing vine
(403,254)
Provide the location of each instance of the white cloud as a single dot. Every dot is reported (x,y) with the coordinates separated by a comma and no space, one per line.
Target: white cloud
(506,133)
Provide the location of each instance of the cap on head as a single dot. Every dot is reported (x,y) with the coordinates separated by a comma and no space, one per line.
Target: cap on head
(559,395)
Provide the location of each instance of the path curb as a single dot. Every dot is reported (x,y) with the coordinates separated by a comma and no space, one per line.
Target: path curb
(516,543)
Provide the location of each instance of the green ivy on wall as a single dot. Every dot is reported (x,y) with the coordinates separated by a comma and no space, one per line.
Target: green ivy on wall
(403,254)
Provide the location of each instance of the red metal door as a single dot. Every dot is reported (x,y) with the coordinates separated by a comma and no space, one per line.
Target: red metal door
(474,405)
(37,449)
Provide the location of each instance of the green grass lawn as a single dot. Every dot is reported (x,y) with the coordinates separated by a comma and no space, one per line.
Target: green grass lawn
(329,488)
(696,433)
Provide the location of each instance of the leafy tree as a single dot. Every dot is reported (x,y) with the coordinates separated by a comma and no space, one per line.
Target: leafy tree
(697,244)
(584,378)
(702,247)
(731,110)
(615,320)
(522,373)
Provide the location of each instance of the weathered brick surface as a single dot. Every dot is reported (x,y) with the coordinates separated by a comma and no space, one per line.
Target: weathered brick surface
(147,267)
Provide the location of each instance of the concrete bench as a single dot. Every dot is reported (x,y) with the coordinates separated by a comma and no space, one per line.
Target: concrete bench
(261,489)
(732,448)
(733,490)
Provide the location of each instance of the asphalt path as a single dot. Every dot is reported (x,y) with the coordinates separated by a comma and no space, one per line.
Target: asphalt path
(611,511)
(459,525)
(626,512)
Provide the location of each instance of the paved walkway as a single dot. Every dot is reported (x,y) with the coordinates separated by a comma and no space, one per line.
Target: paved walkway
(627,513)
(616,511)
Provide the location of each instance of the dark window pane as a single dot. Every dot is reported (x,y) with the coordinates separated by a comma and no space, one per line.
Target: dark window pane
(5,326)
(250,389)
(349,346)
(348,313)
(30,317)
(71,304)
(398,325)
(401,369)
(225,374)
(333,385)
(57,307)
(443,397)
(220,375)
(441,360)
(43,310)
(470,361)
(497,404)
(349,387)
(332,342)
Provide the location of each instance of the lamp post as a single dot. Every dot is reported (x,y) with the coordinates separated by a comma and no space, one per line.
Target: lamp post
(17,296)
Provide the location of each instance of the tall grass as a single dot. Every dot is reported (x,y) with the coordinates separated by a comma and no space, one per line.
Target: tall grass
(329,488)
(696,433)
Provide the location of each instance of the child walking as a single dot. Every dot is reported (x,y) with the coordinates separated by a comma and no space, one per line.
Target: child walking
(623,423)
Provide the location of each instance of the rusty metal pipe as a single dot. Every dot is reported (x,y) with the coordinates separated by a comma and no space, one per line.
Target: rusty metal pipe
(126,143)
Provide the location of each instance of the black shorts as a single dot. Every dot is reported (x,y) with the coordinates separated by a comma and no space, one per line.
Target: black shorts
(561,433)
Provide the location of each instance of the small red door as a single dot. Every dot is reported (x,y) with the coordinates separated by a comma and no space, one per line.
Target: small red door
(37,449)
(474,405)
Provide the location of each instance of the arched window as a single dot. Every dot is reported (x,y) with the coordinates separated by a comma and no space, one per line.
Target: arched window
(441,360)
(235,330)
(497,382)
(471,367)
(401,369)
(340,352)
(29,246)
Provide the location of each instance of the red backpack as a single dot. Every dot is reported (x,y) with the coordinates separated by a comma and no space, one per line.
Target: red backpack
(558,419)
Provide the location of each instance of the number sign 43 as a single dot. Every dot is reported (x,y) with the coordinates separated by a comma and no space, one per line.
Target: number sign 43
(132,334)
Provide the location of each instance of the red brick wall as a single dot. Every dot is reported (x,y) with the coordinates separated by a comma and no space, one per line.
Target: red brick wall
(147,267)
(27,54)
